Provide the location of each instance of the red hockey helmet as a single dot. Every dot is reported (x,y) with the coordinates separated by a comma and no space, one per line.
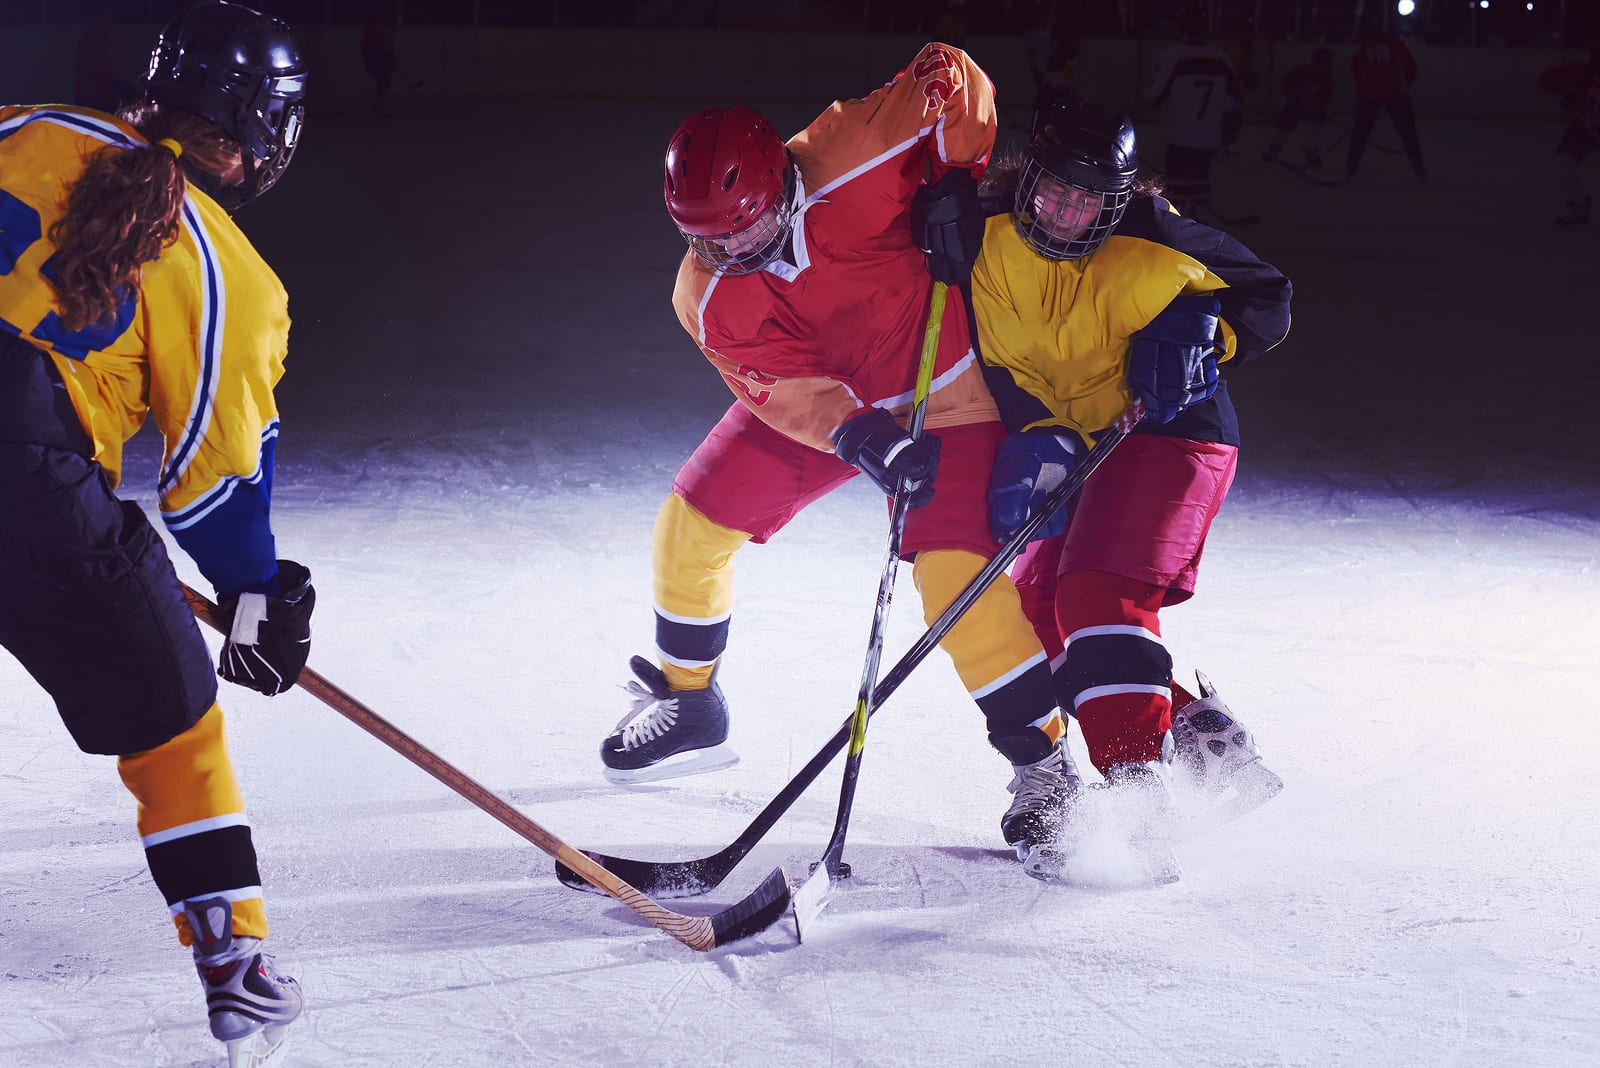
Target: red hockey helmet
(730,188)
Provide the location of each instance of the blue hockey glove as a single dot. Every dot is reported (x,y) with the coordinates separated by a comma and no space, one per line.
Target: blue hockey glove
(947,224)
(1027,467)
(268,638)
(1172,363)
(885,453)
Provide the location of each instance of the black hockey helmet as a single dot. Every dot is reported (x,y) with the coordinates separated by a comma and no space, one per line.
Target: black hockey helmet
(242,70)
(1077,179)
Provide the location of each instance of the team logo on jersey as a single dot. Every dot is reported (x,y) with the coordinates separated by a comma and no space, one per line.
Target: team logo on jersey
(936,90)
(748,380)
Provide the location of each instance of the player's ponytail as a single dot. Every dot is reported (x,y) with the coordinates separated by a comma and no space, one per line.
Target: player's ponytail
(124,210)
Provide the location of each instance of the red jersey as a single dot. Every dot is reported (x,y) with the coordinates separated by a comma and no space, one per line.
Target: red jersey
(1382,67)
(806,344)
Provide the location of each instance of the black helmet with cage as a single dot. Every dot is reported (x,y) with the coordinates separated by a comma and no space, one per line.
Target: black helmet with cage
(243,71)
(1077,179)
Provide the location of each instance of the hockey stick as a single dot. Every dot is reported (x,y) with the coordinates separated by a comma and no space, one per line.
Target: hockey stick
(685,878)
(759,910)
(811,896)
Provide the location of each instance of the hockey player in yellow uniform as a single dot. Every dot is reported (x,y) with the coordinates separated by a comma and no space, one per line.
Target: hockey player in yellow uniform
(1090,292)
(126,293)
(806,288)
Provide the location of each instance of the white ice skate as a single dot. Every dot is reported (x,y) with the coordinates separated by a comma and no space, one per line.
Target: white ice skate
(1217,765)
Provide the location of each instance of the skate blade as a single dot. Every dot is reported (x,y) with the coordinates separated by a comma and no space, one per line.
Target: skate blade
(1245,791)
(263,1049)
(694,762)
(1047,864)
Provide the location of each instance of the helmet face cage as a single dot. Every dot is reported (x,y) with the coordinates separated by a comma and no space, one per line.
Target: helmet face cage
(244,72)
(748,250)
(1062,217)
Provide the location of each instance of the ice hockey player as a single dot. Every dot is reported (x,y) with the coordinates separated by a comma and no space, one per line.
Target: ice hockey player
(1090,292)
(1307,92)
(805,286)
(1194,86)
(128,292)
(1577,86)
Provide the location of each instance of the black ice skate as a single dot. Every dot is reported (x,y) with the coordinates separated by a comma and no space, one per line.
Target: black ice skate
(1577,213)
(1217,761)
(250,1003)
(668,733)
(1037,819)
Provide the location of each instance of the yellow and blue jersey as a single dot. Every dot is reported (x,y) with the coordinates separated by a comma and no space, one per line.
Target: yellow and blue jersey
(1054,334)
(197,345)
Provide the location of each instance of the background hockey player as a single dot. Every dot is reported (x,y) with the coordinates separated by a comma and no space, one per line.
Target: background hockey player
(1384,70)
(1089,293)
(129,293)
(805,288)
(1307,92)
(1577,86)
(1194,86)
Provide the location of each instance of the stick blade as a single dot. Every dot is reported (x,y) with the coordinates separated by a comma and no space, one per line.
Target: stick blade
(760,909)
(810,898)
(662,879)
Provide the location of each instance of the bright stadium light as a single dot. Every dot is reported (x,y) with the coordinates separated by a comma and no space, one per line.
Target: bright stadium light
(1406,7)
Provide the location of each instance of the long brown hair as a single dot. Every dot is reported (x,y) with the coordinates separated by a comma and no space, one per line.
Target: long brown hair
(124,210)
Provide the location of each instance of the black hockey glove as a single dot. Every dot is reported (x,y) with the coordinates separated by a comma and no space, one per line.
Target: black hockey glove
(885,453)
(1028,467)
(947,224)
(1172,363)
(268,638)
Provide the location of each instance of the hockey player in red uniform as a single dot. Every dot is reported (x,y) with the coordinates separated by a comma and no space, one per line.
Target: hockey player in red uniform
(806,290)
(1384,69)
(1307,91)
(127,293)
(1577,86)
(1090,292)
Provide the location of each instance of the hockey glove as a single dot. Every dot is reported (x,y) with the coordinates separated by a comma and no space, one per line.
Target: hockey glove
(268,638)
(947,224)
(1172,363)
(885,453)
(1027,468)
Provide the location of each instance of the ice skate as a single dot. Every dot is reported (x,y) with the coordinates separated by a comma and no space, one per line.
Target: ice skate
(250,1003)
(1577,213)
(1036,823)
(668,733)
(1217,760)
(1142,808)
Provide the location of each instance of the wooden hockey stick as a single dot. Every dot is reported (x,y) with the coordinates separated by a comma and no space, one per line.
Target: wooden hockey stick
(759,910)
(685,878)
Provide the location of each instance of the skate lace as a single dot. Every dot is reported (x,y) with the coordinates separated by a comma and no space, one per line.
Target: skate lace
(650,717)
(1037,786)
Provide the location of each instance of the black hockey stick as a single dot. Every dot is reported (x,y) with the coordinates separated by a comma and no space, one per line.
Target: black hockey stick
(685,878)
(756,912)
(810,896)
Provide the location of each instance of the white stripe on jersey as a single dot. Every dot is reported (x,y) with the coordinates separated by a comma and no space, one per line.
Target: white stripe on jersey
(213,305)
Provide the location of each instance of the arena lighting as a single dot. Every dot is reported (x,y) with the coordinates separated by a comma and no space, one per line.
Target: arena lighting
(1406,7)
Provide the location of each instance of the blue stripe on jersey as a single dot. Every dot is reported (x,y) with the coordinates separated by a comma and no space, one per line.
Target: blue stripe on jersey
(211,312)
(100,129)
(228,531)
